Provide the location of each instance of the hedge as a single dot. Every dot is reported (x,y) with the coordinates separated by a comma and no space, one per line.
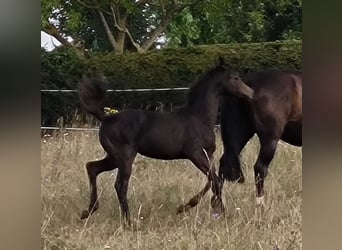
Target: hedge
(180,67)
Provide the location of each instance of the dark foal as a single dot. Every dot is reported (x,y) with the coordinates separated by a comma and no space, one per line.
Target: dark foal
(183,134)
(274,114)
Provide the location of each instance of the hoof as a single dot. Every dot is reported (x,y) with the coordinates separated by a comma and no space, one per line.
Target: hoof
(134,226)
(181,209)
(260,201)
(217,205)
(85,214)
(129,225)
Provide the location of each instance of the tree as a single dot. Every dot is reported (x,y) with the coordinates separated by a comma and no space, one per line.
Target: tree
(118,25)
(229,21)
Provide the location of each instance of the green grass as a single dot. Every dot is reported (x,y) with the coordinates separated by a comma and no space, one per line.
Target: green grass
(156,189)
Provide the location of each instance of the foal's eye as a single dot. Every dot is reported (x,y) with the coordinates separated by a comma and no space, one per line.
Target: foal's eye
(236,78)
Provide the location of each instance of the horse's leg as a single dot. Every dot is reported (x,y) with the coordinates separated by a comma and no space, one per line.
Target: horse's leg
(194,200)
(121,183)
(94,168)
(230,165)
(237,128)
(268,147)
(202,162)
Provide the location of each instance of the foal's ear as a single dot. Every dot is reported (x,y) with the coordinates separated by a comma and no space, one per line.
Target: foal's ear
(101,77)
(220,61)
(85,77)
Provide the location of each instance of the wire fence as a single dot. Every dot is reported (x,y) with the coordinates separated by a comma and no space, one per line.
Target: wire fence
(118,90)
(88,129)
(74,129)
(108,90)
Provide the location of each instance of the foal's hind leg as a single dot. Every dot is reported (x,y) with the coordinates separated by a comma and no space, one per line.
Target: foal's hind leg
(201,160)
(194,200)
(94,168)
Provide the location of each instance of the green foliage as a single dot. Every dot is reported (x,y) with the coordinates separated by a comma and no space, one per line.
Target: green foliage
(229,21)
(181,66)
(164,68)
(48,9)
(60,69)
(81,21)
(189,30)
(206,22)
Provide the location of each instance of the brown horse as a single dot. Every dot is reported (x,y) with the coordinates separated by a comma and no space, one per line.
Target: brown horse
(274,114)
(187,133)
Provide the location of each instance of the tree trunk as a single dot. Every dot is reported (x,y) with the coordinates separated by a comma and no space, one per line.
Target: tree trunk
(157,32)
(120,41)
(109,33)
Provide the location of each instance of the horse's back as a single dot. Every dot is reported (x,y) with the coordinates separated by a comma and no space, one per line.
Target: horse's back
(122,127)
(162,135)
(171,135)
(270,81)
(278,91)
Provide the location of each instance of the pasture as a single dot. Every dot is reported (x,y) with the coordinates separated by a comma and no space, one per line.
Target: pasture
(156,189)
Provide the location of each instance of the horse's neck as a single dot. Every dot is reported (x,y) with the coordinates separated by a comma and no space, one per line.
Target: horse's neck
(207,108)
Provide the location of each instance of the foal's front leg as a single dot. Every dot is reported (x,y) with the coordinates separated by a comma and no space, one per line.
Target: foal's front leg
(124,161)
(121,187)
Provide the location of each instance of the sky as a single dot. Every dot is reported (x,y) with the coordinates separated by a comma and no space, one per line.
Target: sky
(48,41)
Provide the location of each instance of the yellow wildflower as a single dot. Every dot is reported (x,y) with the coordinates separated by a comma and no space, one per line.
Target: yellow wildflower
(110,111)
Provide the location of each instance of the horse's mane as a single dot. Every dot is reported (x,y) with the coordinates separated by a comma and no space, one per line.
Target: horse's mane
(201,86)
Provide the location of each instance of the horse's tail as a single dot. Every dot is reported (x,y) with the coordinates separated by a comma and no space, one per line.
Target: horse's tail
(92,94)
(236,129)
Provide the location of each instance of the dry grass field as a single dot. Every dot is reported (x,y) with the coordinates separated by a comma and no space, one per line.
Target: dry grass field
(156,189)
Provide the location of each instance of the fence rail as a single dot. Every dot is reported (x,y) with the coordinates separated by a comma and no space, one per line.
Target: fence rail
(118,90)
(87,129)
(108,90)
(75,129)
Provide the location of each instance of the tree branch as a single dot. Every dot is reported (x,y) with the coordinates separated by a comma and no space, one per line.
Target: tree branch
(162,5)
(125,30)
(155,33)
(167,16)
(183,6)
(108,31)
(141,2)
(52,31)
(93,7)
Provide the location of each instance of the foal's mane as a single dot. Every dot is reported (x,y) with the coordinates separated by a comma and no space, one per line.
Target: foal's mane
(201,86)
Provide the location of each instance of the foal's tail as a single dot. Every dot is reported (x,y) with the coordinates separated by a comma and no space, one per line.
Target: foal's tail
(92,94)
